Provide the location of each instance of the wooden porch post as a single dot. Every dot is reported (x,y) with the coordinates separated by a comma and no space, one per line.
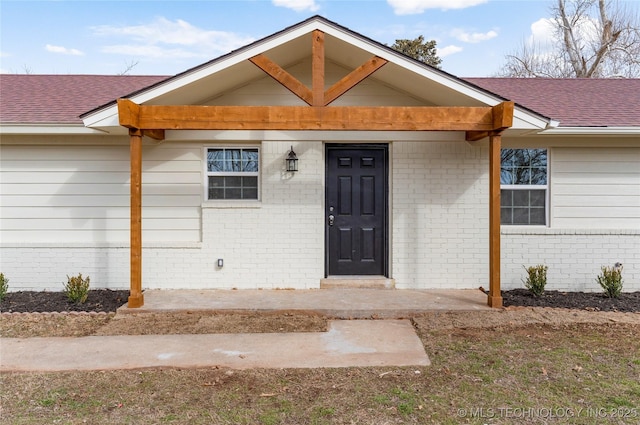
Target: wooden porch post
(495,297)
(136,298)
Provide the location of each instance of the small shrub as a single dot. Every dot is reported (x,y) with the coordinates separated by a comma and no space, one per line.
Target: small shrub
(77,288)
(536,279)
(611,280)
(4,286)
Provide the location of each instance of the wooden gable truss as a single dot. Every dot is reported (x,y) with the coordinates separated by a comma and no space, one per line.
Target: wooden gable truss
(153,120)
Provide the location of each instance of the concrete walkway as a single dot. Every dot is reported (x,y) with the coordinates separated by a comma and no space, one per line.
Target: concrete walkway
(347,343)
(333,303)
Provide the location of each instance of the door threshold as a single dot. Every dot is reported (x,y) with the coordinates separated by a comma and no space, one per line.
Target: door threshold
(357,282)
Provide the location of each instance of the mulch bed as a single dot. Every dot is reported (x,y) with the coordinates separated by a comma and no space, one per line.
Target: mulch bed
(109,301)
(594,301)
(40,302)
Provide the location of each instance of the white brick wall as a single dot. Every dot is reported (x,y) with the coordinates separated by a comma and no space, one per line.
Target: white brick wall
(440,215)
(276,243)
(46,267)
(574,257)
(440,229)
(438,232)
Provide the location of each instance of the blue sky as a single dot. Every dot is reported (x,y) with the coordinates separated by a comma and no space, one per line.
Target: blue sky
(168,37)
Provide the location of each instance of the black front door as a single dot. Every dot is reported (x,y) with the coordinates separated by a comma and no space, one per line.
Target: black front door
(356,210)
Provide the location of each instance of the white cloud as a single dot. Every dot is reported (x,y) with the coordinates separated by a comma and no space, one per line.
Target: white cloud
(542,32)
(160,38)
(474,37)
(63,50)
(153,52)
(414,7)
(297,5)
(448,50)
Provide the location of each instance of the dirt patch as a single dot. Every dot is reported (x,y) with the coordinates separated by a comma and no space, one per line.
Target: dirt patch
(27,325)
(510,317)
(196,323)
(576,308)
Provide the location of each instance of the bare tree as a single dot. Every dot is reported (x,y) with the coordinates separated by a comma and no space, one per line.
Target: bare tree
(129,67)
(591,39)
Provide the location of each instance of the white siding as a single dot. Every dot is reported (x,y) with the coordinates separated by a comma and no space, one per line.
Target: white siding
(594,221)
(438,226)
(79,193)
(595,188)
(266,91)
(277,242)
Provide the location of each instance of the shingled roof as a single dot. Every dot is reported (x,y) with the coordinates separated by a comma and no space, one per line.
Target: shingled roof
(586,102)
(61,99)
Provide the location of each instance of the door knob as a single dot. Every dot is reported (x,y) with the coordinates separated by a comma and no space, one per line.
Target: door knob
(331,219)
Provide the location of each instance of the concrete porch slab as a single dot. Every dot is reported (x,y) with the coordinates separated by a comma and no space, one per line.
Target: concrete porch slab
(357,282)
(333,303)
(347,343)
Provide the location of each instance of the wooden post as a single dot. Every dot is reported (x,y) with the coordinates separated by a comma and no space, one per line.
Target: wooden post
(136,298)
(495,297)
(317,77)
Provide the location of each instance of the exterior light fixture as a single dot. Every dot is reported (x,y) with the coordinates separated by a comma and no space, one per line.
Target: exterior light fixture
(291,161)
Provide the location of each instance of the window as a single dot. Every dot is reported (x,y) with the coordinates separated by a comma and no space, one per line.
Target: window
(232,173)
(523,186)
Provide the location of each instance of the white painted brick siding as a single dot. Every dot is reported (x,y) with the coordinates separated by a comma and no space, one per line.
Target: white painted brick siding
(275,243)
(574,257)
(438,233)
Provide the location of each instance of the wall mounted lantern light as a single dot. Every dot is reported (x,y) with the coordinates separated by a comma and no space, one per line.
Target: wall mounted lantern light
(292,161)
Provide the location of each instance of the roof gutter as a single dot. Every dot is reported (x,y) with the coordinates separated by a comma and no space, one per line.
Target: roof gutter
(584,131)
(47,129)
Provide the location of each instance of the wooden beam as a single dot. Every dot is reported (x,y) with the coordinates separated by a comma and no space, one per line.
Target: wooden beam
(418,118)
(128,113)
(351,80)
(503,115)
(502,119)
(154,134)
(317,68)
(279,74)
(136,298)
(495,297)
(474,136)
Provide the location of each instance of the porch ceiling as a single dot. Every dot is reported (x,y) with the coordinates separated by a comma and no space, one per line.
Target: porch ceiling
(298,50)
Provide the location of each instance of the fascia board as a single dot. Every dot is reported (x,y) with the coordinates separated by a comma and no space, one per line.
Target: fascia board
(595,131)
(524,120)
(110,113)
(109,117)
(47,129)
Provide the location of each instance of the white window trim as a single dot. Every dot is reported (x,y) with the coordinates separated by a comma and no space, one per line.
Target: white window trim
(206,173)
(545,187)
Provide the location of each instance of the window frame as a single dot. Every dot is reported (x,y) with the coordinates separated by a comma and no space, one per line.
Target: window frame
(545,187)
(208,173)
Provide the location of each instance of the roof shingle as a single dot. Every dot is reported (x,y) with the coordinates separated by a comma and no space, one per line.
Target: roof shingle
(61,99)
(586,102)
